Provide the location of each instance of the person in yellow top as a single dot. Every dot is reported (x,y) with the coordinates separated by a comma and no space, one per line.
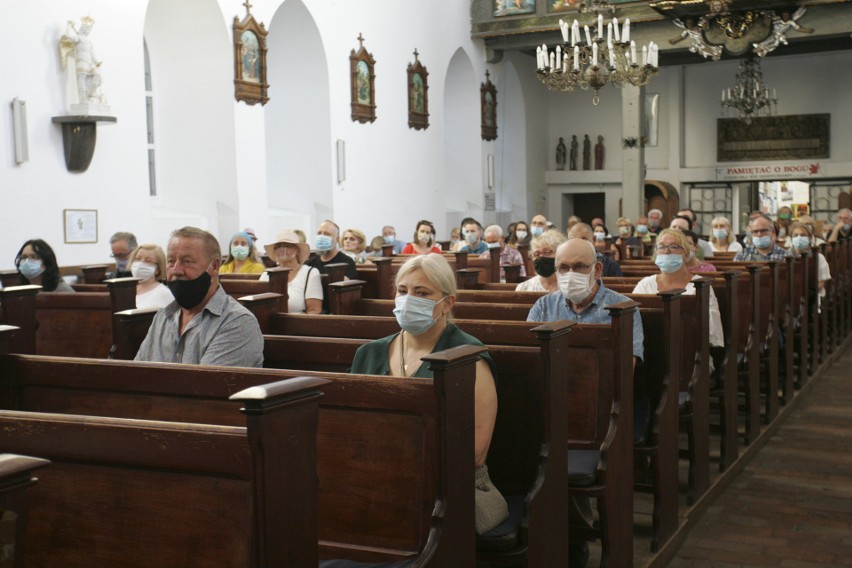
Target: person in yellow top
(241,257)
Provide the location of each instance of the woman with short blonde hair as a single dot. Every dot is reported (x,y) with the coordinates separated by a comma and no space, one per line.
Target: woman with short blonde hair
(723,238)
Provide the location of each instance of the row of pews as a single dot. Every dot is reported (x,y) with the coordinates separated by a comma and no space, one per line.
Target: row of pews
(134,446)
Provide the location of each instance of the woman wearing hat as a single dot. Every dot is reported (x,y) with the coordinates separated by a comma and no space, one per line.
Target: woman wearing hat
(304,285)
(240,257)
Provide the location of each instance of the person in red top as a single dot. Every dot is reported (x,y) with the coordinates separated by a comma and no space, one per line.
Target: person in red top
(424,240)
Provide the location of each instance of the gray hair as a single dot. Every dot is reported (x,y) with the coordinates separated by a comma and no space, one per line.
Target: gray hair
(655,211)
(211,245)
(494,229)
(129,238)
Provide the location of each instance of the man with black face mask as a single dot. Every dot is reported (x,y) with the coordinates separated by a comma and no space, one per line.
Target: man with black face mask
(203,325)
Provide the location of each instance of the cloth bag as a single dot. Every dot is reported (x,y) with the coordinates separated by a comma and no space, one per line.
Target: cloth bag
(491,506)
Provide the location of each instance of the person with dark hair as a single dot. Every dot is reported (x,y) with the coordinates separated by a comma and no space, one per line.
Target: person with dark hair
(424,240)
(203,326)
(519,234)
(36,263)
(472,231)
(693,263)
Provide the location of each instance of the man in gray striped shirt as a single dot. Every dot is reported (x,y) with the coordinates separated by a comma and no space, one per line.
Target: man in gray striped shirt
(203,325)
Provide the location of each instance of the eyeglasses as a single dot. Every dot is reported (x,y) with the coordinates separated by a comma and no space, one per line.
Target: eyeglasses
(120,256)
(582,268)
(669,248)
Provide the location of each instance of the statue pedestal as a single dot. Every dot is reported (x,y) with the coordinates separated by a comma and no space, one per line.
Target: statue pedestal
(89,109)
(79,134)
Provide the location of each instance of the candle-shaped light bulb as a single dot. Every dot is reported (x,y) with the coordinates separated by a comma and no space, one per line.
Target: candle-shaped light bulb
(611,58)
(600,26)
(615,29)
(644,55)
(588,35)
(609,35)
(594,54)
(563,27)
(625,36)
(576,58)
(552,62)
(632,51)
(538,58)
(559,54)
(575,29)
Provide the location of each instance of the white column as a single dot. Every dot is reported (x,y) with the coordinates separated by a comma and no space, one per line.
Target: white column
(632,155)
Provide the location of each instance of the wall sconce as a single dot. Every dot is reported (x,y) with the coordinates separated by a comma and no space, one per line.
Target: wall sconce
(490,171)
(19,124)
(341,161)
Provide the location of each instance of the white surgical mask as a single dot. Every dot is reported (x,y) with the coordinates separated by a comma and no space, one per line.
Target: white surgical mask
(575,286)
(424,238)
(495,245)
(521,235)
(600,236)
(143,270)
(471,237)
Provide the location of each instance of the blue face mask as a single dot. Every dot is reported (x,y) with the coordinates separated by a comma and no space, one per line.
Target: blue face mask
(720,234)
(31,268)
(240,252)
(471,237)
(323,243)
(389,239)
(414,314)
(642,229)
(762,242)
(669,262)
(537,231)
(801,242)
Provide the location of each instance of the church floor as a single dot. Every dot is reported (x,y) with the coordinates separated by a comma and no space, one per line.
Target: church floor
(790,506)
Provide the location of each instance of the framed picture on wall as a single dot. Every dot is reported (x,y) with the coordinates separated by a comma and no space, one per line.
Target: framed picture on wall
(363,78)
(513,7)
(250,84)
(418,95)
(488,101)
(80,225)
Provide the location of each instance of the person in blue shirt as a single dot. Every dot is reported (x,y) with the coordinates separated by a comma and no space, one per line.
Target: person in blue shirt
(472,234)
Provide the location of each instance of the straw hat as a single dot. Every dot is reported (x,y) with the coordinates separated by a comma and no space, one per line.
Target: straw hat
(291,238)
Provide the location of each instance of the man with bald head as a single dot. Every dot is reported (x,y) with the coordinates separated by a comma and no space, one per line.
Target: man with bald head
(584,231)
(583,298)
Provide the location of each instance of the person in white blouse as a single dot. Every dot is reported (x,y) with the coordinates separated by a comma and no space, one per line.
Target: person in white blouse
(802,240)
(723,238)
(148,263)
(543,254)
(304,286)
(672,251)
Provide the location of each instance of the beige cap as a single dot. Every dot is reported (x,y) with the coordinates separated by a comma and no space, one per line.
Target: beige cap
(289,237)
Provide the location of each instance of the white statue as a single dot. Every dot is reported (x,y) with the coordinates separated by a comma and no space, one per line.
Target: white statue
(780,26)
(85,79)
(694,32)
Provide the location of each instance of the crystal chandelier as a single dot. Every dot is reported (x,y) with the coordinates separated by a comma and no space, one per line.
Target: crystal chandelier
(591,62)
(750,96)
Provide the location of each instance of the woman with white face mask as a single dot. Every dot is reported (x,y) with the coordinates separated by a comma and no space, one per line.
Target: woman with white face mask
(671,257)
(802,240)
(723,238)
(424,240)
(148,264)
(241,256)
(425,295)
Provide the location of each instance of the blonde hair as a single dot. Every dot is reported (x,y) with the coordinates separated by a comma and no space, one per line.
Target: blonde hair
(436,269)
(727,222)
(548,239)
(359,235)
(679,236)
(158,254)
(624,220)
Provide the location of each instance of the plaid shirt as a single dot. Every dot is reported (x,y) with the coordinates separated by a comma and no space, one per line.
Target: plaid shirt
(751,254)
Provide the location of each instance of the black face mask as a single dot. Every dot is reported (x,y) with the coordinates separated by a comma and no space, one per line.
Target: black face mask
(189,293)
(545,266)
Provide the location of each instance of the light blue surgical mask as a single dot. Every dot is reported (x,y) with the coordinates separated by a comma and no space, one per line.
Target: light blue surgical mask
(669,262)
(240,252)
(762,242)
(389,239)
(801,242)
(414,314)
(537,231)
(31,267)
(720,234)
(493,245)
(323,243)
(471,237)
(642,229)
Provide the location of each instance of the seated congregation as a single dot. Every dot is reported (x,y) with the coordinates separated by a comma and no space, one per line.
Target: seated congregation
(367,380)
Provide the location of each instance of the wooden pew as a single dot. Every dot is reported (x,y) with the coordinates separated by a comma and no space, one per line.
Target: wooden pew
(381,497)
(600,396)
(72,324)
(16,478)
(237,286)
(140,492)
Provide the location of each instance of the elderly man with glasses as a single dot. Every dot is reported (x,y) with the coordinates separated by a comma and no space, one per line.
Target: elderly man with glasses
(763,247)
(122,244)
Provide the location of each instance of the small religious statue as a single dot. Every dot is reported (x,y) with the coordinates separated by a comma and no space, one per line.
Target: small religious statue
(84,77)
(560,154)
(572,164)
(599,153)
(587,153)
